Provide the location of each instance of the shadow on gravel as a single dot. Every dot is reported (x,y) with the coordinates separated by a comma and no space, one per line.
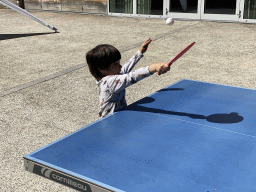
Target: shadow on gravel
(14,36)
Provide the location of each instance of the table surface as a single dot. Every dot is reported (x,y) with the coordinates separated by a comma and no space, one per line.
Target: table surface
(190,136)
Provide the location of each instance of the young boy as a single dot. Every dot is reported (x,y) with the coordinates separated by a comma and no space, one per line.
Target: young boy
(112,78)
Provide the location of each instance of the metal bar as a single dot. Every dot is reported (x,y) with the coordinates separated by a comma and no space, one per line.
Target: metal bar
(24,12)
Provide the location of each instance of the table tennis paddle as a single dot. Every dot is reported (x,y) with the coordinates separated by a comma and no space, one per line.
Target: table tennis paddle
(179,55)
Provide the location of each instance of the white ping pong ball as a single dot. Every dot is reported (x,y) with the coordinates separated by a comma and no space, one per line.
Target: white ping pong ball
(169,21)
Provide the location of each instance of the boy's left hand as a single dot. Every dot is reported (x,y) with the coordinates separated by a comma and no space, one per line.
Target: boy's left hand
(144,46)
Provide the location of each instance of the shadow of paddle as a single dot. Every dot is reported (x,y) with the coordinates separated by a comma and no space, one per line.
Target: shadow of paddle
(214,118)
(14,36)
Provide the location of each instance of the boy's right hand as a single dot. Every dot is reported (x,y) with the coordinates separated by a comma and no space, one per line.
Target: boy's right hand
(162,68)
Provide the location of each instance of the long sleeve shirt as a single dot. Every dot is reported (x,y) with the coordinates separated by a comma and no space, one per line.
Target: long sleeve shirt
(112,87)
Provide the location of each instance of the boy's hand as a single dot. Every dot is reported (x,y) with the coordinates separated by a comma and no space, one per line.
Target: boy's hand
(162,68)
(159,67)
(144,46)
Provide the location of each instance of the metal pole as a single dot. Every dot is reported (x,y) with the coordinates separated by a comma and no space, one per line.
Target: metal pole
(24,12)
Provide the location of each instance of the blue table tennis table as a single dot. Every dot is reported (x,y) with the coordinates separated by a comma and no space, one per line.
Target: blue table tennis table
(191,136)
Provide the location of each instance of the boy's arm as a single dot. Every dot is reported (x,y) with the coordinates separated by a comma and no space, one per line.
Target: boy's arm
(117,83)
(152,69)
(129,65)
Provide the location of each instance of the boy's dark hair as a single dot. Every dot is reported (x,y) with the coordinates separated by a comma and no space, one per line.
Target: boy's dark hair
(101,57)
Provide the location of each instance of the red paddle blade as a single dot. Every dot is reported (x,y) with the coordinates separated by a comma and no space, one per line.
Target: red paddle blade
(180,54)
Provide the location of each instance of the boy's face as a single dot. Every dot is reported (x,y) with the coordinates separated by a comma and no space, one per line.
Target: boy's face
(114,69)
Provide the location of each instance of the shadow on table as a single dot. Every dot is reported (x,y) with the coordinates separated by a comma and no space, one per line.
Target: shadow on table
(214,118)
